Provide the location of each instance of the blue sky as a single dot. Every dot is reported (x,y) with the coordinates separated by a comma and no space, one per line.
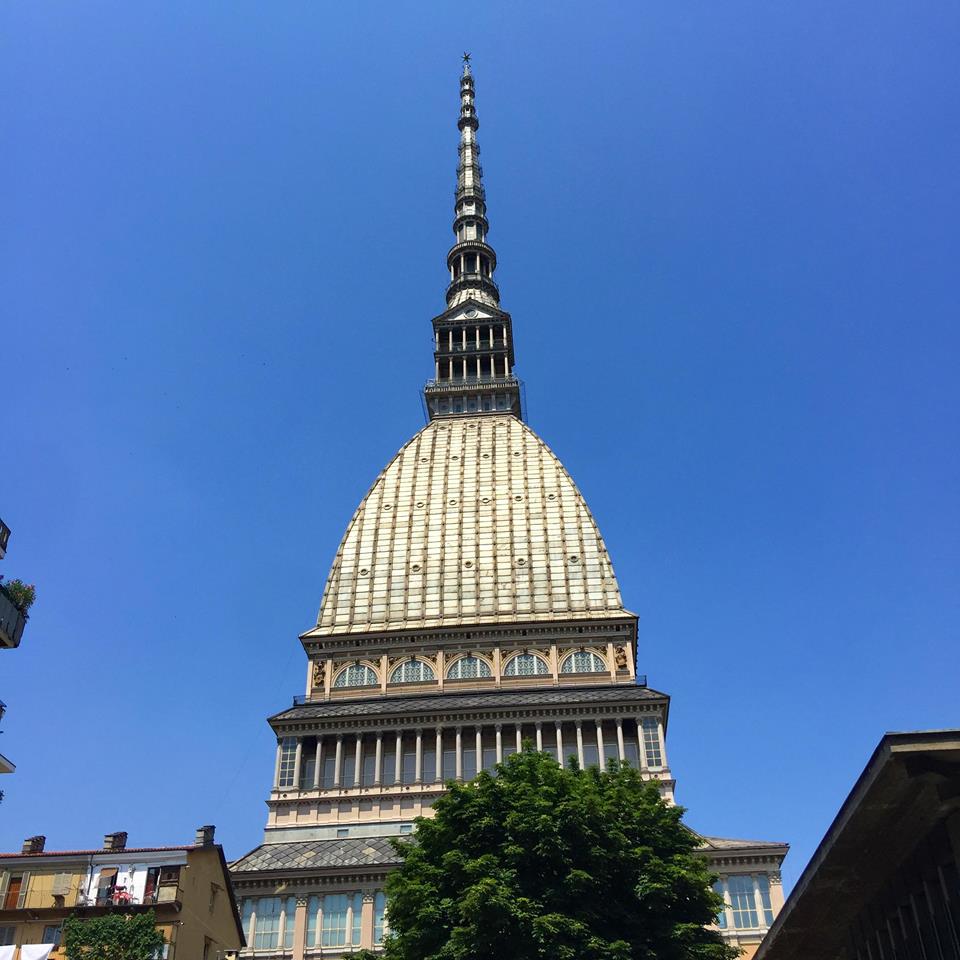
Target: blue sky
(728,238)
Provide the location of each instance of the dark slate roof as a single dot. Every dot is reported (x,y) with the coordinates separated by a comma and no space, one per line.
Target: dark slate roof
(487,700)
(724,843)
(318,855)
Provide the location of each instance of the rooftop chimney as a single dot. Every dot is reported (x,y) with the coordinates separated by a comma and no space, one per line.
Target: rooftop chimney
(205,835)
(33,844)
(115,841)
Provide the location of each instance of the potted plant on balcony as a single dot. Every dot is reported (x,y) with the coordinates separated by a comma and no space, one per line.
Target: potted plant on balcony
(20,594)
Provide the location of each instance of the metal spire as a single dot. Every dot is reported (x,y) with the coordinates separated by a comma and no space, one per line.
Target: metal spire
(471,260)
(473,337)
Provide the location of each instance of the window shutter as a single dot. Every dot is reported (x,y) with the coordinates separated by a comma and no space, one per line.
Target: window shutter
(24,884)
(61,884)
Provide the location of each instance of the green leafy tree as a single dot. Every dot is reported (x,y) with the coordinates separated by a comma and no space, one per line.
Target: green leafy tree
(544,862)
(114,936)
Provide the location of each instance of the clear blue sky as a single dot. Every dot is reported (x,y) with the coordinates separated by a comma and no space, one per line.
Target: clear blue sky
(728,239)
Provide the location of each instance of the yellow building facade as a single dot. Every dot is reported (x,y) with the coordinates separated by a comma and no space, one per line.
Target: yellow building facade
(187,887)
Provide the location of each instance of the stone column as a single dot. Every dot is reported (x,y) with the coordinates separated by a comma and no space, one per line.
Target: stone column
(479,747)
(300,928)
(727,909)
(438,773)
(338,761)
(358,761)
(621,748)
(758,900)
(366,920)
(519,737)
(499,728)
(318,763)
(377,776)
(580,743)
(418,773)
(459,754)
(276,767)
(297,758)
(398,759)
(539,728)
(560,758)
(601,763)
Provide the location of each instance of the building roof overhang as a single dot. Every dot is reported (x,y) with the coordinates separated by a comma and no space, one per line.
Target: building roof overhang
(910,785)
(518,703)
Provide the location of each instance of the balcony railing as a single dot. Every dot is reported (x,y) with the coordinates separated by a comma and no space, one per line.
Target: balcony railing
(12,621)
(465,383)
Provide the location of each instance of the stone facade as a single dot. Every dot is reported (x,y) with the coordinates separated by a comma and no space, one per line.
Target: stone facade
(471,607)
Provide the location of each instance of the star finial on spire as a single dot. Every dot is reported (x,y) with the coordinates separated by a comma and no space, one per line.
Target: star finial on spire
(466,58)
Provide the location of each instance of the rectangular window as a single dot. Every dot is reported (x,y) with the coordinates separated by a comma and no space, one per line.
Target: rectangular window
(334,920)
(379,916)
(288,755)
(266,927)
(651,741)
(743,901)
(632,750)
(470,762)
(449,764)
(289,919)
(51,935)
(329,768)
(8,936)
(721,920)
(357,920)
(349,769)
(369,768)
(388,772)
(591,756)
(313,921)
(489,758)
(408,770)
(610,749)
(763,882)
(168,884)
(429,765)
(105,885)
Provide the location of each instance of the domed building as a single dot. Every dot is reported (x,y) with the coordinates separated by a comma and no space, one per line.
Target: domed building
(471,606)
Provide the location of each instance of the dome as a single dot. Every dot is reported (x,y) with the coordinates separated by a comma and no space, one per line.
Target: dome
(474,521)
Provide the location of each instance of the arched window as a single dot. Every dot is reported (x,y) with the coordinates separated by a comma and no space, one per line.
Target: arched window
(412,671)
(356,675)
(467,668)
(526,665)
(583,662)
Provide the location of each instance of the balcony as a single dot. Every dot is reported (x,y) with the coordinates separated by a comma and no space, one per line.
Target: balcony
(12,621)
(470,384)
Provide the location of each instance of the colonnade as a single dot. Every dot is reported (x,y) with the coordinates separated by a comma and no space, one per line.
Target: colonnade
(638,740)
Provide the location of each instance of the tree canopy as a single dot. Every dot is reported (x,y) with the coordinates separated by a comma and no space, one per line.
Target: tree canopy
(114,936)
(539,861)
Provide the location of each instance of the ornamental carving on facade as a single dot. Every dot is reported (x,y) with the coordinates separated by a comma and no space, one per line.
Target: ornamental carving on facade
(319,672)
(620,655)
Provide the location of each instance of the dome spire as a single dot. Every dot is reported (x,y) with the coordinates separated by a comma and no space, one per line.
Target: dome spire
(471,261)
(473,336)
